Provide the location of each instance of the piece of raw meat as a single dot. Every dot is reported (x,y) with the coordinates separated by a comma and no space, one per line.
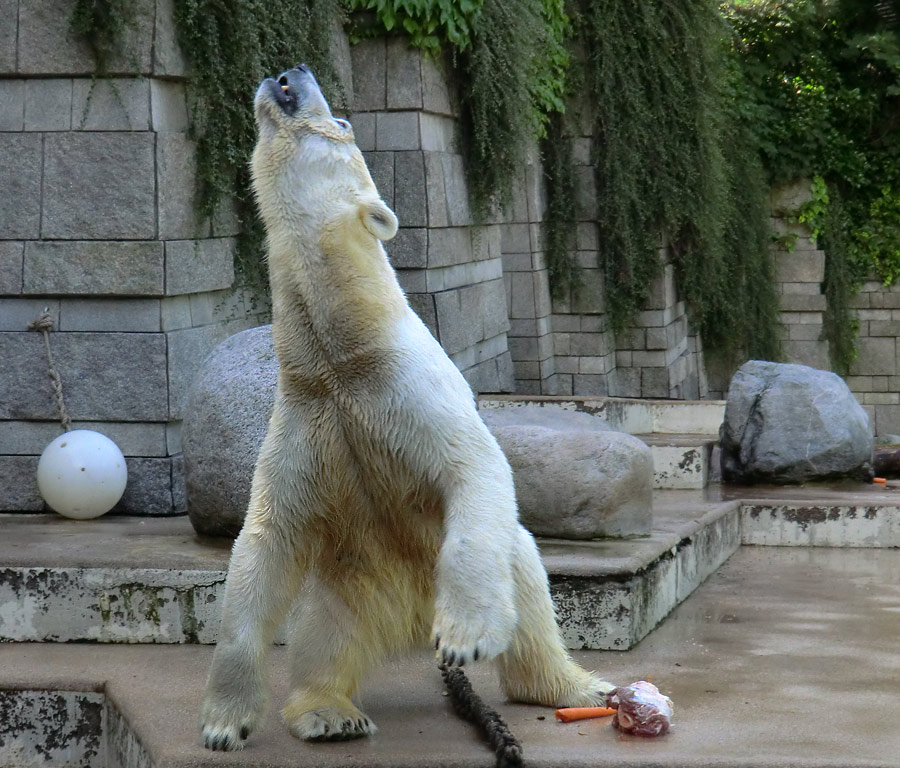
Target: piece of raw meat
(640,709)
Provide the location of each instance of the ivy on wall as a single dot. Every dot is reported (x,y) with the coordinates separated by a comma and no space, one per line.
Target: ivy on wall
(822,100)
(671,161)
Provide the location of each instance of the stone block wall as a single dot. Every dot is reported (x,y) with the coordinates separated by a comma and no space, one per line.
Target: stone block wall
(566,346)
(98,227)
(874,377)
(405,121)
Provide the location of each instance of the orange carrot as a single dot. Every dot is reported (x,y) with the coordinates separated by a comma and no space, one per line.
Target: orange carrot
(879,480)
(570,714)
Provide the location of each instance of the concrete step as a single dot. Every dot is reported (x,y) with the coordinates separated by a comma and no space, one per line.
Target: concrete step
(624,414)
(681,462)
(130,580)
(754,662)
(682,434)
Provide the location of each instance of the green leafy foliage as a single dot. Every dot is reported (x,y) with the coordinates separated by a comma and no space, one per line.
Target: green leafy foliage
(822,100)
(430,24)
(672,161)
(513,76)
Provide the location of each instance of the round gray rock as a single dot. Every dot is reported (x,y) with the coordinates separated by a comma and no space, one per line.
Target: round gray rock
(575,477)
(787,423)
(225,421)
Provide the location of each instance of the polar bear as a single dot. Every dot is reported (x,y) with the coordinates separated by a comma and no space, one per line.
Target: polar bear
(380,501)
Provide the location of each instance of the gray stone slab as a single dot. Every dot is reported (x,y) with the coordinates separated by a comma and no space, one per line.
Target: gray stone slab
(114,104)
(99,186)
(48,104)
(168,106)
(369,61)
(434,190)
(105,376)
(438,95)
(199,265)
(404,75)
(47,44)
(20,169)
(187,349)
(397,131)
(176,165)
(168,58)
(149,488)
(87,267)
(423,306)
(16,314)
(9,9)
(175,313)
(800,267)
(18,484)
(29,438)
(438,133)
(122,315)
(364,131)
(495,319)
(381,168)
(410,201)
(12,256)
(409,248)
(12,103)
(815,355)
(447,246)
(457,190)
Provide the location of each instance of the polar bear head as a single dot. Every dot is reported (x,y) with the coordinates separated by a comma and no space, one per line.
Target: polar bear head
(306,166)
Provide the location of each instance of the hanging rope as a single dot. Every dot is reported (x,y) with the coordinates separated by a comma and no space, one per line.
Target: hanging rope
(469,706)
(44,324)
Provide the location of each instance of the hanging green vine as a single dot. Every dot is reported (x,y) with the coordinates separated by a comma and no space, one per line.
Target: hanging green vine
(103,24)
(657,75)
(823,102)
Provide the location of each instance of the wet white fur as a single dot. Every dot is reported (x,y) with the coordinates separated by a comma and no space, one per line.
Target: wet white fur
(379,497)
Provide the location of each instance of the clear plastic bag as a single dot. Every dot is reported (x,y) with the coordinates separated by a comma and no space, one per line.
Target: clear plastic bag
(641,709)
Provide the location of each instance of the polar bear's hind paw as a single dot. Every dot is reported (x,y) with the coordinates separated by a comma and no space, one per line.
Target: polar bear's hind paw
(327,724)
(225,738)
(225,728)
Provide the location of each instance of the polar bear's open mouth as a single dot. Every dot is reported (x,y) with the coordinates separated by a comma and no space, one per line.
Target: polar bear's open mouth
(283,95)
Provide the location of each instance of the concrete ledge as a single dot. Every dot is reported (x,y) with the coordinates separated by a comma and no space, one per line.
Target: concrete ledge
(632,415)
(805,524)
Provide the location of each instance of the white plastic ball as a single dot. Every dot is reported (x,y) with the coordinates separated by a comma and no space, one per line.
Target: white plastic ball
(82,474)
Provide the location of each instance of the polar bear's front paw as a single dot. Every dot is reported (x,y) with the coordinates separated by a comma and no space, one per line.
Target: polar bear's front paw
(325,718)
(225,726)
(588,692)
(458,642)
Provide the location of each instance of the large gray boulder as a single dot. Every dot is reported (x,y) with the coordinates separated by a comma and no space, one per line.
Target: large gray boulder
(225,421)
(788,423)
(575,477)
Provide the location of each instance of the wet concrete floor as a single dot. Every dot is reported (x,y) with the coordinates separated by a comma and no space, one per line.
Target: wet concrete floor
(784,657)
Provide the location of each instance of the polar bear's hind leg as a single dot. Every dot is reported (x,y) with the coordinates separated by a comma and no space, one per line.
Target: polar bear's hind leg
(537,668)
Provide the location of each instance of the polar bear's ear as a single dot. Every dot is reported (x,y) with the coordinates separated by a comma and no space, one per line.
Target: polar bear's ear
(378,219)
